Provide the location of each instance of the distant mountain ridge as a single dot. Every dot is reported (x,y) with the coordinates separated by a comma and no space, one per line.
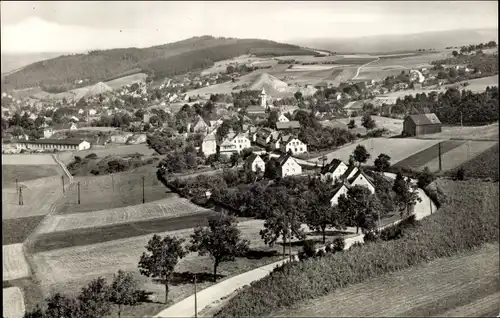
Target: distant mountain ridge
(400,43)
(60,73)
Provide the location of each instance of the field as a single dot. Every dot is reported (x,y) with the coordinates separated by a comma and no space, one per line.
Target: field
(27,172)
(18,229)
(395,126)
(487,132)
(421,158)
(397,148)
(460,155)
(127,80)
(465,285)
(113,191)
(413,61)
(14,262)
(27,159)
(484,165)
(221,66)
(13,302)
(478,84)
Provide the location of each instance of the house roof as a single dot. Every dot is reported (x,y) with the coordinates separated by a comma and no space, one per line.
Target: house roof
(288,125)
(74,142)
(357,174)
(348,171)
(252,158)
(63,126)
(424,119)
(283,159)
(264,132)
(255,109)
(227,142)
(332,166)
(275,135)
(337,189)
(209,137)
(285,139)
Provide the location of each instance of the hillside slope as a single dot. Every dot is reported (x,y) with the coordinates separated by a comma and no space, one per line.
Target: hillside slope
(59,74)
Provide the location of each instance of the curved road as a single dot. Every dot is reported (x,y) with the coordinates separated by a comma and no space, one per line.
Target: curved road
(359,68)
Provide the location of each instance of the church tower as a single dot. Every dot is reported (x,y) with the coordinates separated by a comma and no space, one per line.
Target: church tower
(263,98)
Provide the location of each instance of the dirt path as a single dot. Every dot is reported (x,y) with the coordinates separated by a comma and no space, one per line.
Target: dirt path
(210,298)
(359,68)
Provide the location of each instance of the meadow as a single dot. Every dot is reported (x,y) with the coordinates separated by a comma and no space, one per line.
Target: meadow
(13,302)
(478,84)
(28,159)
(14,262)
(27,172)
(16,230)
(487,132)
(421,158)
(127,80)
(484,165)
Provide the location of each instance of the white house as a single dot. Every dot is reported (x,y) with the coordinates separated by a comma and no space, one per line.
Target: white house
(48,132)
(290,143)
(209,145)
(283,119)
(51,144)
(254,163)
(227,148)
(333,171)
(361,179)
(275,140)
(241,141)
(351,171)
(288,166)
(263,137)
(92,112)
(200,126)
(342,189)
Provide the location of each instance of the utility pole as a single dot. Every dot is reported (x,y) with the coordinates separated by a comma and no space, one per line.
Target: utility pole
(78,192)
(440,163)
(17,186)
(290,245)
(195,299)
(62,178)
(113,182)
(143,199)
(21,202)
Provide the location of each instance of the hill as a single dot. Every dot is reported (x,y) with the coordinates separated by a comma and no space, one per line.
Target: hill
(14,61)
(401,43)
(60,74)
(271,84)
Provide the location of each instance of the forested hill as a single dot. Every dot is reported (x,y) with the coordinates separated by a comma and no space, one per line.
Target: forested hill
(60,74)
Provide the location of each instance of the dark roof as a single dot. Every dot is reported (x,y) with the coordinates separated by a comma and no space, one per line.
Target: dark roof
(331,166)
(356,175)
(424,119)
(337,189)
(75,142)
(255,109)
(282,159)
(348,171)
(288,125)
(63,126)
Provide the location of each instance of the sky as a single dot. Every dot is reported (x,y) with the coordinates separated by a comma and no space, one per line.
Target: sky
(71,26)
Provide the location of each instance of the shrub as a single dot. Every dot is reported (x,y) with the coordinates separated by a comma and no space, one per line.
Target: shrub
(458,226)
(460,174)
(309,248)
(328,247)
(91,156)
(338,244)
(320,253)
(371,236)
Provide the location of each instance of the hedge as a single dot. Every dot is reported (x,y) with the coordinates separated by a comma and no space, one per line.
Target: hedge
(468,219)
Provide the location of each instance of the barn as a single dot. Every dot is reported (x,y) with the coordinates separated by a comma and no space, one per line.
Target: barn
(51,144)
(415,125)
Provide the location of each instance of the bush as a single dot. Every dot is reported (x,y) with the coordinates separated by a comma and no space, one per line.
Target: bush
(328,247)
(371,236)
(459,226)
(309,248)
(338,244)
(320,253)
(91,156)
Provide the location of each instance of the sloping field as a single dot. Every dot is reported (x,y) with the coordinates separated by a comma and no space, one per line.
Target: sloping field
(13,302)
(127,80)
(378,73)
(14,262)
(118,150)
(414,61)
(172,207)
(27,159)
(421,158)
(478,84)
(18,229)
(458,286)
(396,148)
(487,132)
(459,155)
(391,124)
(485,165)
(27,172)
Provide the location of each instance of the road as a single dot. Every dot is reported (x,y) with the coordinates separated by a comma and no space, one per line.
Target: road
(212,295)
(359,68)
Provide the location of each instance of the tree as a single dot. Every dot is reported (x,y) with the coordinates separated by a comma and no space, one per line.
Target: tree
(425,178)
(94,299)
(382,163)
(368,122)
(35,313)
(406,194)
(351,124)
(221,239)
(235,156)
(360,154)
(359,208)
(271,171)
(460,174)
(161,259)
(123,290)
(298,95)
(455,53)
(59,305)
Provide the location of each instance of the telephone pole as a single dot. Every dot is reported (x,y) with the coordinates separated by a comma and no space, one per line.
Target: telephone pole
(143,199)
(195,299)
(17,186)
(113,182)
(440,163)
(21,202)
(62,178)
(78,192)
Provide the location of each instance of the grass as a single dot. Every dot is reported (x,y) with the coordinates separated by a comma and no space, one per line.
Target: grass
(487,132)
(13,302)
(421,158)
(434,289)
(32,292)
(27,172)
(130,79)
(14,262)
(479,84)
(468,219)
(118,150)
(28,159)
(17,230)
(484,165)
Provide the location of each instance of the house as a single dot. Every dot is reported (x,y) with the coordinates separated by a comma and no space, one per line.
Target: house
(333,171)
(227,148)
(288,125)
(287,166)
(361,179)
(291,144)
(48,132)
(275,140)
(340,190)
(350,172)
(255,163)
(51,144)
(241,141)
(200,126)
(283,119)
(415,125)
(67,126)
(92,112)
(263,137)
(256,110)
(209,145)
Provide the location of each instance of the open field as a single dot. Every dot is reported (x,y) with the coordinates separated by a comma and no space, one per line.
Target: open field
(113,191)
(378,73)
(27,172)
(103,129)
(27,159)
(393,125)
(460,155)
(487,132)
(413,61)
(18,229)
(421,158)
(396,148)
(14,262)
(478,84)
(485,165)
(110,149)
(126,80)
(456,286)
(313,67)
(221,66)
(172,207)
(13,302)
